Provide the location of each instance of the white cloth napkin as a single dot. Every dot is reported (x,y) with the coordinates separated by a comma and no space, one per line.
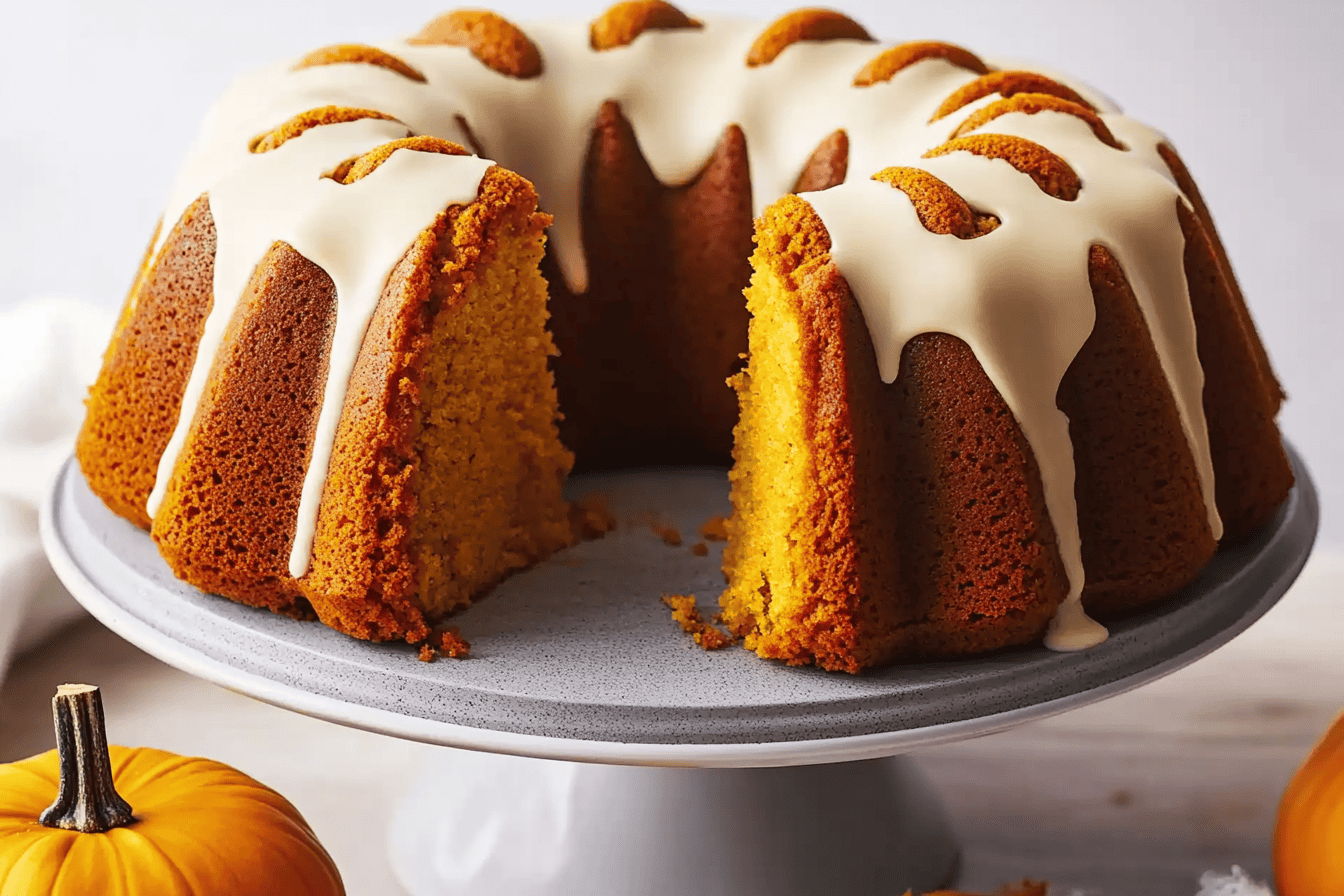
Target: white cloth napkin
(50,350)
(1235,884)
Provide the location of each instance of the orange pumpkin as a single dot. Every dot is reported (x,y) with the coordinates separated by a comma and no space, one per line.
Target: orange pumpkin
(187,827)
(1309,836)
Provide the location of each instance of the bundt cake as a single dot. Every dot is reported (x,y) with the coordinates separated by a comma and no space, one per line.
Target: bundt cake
(992,366)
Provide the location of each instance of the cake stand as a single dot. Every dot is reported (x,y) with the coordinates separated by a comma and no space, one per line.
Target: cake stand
(603,753)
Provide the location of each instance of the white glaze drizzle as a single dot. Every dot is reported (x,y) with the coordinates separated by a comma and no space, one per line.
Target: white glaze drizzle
(681,90)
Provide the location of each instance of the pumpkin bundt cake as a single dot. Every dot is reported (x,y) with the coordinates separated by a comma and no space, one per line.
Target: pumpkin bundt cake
(992,368)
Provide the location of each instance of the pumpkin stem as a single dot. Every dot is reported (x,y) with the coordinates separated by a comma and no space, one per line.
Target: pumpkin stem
(88,801)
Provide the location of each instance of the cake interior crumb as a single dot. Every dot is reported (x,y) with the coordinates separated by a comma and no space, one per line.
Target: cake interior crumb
(452,644)
(715,529)
(686,615)
(590,518)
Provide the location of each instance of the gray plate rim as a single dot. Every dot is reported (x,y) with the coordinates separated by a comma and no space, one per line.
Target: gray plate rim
(1239,587)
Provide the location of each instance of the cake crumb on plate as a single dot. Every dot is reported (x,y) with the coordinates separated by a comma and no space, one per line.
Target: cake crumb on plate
(715,529)
(686,615)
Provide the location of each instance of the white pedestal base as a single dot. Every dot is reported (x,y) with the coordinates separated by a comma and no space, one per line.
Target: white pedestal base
(479,823)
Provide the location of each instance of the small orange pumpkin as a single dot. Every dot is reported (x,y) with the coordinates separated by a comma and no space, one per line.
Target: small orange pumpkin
(1309,835)
(198,827)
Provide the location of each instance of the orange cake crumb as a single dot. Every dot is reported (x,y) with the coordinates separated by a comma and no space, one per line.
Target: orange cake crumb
(452,644)
(715,529)
(590,518)
(700,549)
(669,535)
(428,654)
(685,614)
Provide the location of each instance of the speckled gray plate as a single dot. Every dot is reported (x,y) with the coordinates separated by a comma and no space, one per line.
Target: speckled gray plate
(579,659)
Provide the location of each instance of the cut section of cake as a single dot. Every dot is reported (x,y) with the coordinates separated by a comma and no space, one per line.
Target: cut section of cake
(445,469)
(971,435)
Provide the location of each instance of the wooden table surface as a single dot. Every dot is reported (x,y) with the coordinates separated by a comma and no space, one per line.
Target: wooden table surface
(1136,795)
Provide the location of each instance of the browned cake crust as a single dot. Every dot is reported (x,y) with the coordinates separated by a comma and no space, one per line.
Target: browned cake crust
(827,165)
(803,25)
(226,523)
(646,348)
(886,64)
(134,404)
(495,41)
(1241,393)
(1051,173)
(352,170)
(1251,472)
(1006,84)
(1191,191)
(339,54)
(1030,104)
(1141,512)
(624,22)
(312,118)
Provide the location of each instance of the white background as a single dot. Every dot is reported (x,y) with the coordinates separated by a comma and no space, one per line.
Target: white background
(99,102)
